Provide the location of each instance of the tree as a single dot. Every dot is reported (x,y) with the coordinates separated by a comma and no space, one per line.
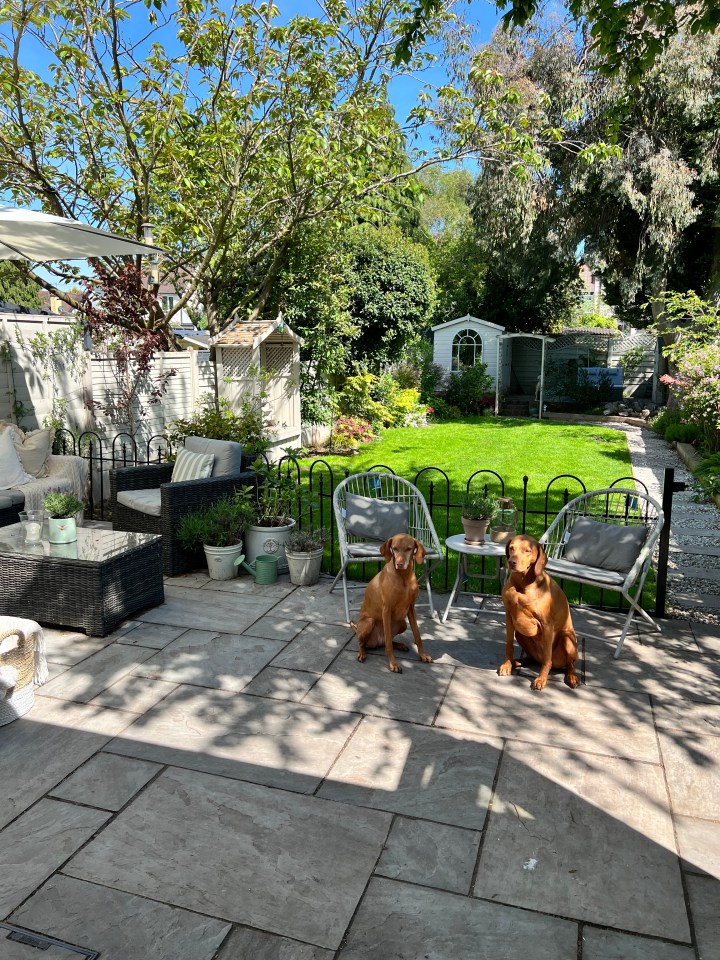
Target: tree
(229,130)
(17,287)
(627,37)
(391,293)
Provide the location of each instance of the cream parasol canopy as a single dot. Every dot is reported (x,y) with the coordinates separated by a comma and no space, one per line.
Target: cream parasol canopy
(41,237)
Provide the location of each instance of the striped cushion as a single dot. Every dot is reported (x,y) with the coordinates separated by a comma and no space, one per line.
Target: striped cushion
(192,466)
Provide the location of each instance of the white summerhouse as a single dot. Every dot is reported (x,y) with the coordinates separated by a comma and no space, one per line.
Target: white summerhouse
(248,354)
(465,342)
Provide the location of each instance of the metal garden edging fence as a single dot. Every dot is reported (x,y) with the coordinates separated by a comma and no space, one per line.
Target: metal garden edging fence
(316,484)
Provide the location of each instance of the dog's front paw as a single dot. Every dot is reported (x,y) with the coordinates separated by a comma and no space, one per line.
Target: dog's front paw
(538,683)
(425,658)
(394,667)
(505,669)
(572,680)
(362,657)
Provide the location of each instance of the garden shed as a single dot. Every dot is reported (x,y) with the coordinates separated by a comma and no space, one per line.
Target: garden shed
(466,342)
(253,355)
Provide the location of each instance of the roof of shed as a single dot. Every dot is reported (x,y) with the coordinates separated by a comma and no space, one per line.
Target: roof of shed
(246,334)
(464,320)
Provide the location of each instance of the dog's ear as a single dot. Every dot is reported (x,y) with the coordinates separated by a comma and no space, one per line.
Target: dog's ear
(507,547)
(386,549)
(541,561)
(419,552)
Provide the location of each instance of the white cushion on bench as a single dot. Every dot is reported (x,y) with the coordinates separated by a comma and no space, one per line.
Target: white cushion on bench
(144,501)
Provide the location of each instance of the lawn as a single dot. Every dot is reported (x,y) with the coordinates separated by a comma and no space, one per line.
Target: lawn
(513,448)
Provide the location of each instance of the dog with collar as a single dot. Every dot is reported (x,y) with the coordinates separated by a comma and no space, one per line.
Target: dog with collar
(389,602)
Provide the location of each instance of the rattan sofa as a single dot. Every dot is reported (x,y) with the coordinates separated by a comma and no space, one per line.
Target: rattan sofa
(65,474)
(176,500)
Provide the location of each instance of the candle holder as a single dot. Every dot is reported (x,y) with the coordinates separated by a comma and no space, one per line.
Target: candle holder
(32,524)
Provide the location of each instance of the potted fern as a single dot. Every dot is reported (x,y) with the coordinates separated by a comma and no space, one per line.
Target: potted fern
(62,510)
(304,552)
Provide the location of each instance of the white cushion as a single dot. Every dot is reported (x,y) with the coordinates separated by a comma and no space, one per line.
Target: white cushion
(11,470)
(33,448)
(144,501)
(192,466)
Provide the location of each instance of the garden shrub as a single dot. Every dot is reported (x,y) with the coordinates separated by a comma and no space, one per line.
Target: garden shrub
(349,432)
(682,433)
(432,380)
(218,422)
(356,400)
(318,402)
(467,389)
(440,409)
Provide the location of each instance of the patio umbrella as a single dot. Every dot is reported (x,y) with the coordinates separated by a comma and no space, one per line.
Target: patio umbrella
(38,237)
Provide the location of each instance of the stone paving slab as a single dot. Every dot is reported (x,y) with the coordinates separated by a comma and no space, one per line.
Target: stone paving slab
(246,944)
(106,781)
(593,720)
(245,585)
(85,680)
(40,841)
(315,605)
(230,849)
(371,688)
(275,628)
(692,768)
(155,635)
(210,659)
(119,925)
(71,646)
(280,684)
(584,836)
(401,921)
(431,854)
(608,945)
(685,717)
(315,648)
(438,775)
(50,742)
(699,844)
(704,893)
(226,614)
(136,694)
(277,743)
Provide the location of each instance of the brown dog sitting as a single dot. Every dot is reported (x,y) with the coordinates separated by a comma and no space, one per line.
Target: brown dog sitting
(390,598)
(537,615)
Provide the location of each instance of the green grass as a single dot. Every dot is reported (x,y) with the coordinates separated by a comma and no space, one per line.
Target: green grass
(513,448)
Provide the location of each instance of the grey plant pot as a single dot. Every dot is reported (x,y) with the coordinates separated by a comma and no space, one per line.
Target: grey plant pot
(304,568)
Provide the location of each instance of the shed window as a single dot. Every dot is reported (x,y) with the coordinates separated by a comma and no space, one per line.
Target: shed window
(466,349)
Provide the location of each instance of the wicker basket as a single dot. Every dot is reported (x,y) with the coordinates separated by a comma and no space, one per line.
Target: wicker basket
(20,698)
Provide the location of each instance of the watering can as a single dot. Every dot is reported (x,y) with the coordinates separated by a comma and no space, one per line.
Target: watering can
(264,570)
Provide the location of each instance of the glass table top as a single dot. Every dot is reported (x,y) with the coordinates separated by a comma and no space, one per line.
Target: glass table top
(92,545)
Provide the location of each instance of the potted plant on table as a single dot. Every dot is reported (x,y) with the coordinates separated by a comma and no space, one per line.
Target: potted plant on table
(276,499)
(62,509)
(477,509)
(218,527)
(304,552)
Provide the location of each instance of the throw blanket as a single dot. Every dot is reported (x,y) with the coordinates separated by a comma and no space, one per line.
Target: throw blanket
(65,475)
(10,626)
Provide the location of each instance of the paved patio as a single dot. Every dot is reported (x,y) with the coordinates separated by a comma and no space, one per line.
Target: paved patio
(221,780)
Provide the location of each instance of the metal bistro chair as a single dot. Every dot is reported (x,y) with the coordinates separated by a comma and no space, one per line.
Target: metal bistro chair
(370,508)
(606,538)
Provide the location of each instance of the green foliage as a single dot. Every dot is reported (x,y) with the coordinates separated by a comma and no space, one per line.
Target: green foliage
(16,285)
(62,505)
(391,293)
(477,505)
(318,401)
(694,325)
(632,360)
(277,495)
(216,421)
(356,398)
(682,433)
(585,318)
(303,541)
(468,389)
(441,410)
(218,524)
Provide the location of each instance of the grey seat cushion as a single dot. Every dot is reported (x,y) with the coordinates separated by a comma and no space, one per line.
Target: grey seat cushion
(609,546)
(374,519)
(144,501)
(227,453)
(11,498)
(585,573)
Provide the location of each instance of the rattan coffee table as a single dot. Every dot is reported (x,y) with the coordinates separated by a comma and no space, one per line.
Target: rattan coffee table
(92,585)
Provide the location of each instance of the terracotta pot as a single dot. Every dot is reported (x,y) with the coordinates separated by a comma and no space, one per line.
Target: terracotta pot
(475,529)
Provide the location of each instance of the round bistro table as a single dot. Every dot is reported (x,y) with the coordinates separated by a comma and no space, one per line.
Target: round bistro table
(459,544)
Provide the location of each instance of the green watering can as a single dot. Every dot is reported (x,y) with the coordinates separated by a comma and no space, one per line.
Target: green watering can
(264,570)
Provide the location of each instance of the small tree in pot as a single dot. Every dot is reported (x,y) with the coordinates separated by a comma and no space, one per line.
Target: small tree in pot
(304,552)
(477,509)
(62,509)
